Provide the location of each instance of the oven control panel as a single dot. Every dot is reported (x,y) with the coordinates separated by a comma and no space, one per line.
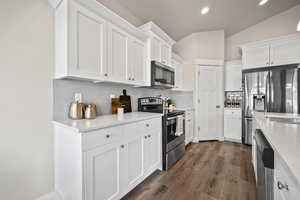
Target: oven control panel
(150,101)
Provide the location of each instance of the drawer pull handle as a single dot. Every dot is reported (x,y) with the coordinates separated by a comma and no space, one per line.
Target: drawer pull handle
(147,125)
(282,186)
(107,136)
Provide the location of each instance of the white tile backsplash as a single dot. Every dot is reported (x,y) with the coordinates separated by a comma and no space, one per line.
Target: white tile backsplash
(99,94)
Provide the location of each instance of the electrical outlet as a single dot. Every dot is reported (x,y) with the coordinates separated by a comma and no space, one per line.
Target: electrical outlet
(78,97)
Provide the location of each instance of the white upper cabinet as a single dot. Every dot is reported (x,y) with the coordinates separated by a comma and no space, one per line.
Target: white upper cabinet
(274,52)
(256,56)
(117,53)
(136,71)
(155,49)
(166,54)
(177,64)
(95,44)
(285,52)
(233,75)
(160,44)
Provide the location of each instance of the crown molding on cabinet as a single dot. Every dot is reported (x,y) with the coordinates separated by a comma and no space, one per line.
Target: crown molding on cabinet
(150,26)
(106,14)
(271,40)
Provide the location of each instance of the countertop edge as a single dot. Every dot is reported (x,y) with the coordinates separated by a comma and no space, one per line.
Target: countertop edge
(297,178)
(112,124)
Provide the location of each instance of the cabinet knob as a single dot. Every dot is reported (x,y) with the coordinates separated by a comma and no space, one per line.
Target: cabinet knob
(282,186)
(272,63)
(267,63)
(147,125)
(108,136)
(105,74)
(129,78)
(133,78)
(145,136)
(122,146)
(149,136)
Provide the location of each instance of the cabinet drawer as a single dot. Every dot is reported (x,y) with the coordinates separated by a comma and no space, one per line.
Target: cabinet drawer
(102,137)
(151,124)
(283,177)
(233,112)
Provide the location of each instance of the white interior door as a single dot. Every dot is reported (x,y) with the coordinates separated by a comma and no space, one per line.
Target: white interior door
(208,109)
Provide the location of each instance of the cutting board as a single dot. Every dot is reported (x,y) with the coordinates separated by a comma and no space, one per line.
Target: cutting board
(127,101)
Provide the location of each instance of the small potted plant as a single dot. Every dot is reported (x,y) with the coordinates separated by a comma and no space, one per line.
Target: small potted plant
(120,108)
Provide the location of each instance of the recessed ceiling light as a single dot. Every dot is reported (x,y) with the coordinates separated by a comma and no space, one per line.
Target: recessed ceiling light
(204,10)
(298,27)
(263,2)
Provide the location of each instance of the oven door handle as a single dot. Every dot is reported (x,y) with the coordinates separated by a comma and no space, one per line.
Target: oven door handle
(176,117)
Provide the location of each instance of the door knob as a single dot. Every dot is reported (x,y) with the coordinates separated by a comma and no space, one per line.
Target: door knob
(218,106)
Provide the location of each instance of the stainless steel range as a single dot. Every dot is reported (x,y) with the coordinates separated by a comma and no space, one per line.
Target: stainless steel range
(173,135)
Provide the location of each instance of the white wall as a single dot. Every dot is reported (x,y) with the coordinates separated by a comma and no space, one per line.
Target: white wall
(282,24)
(26,68)
(201,45)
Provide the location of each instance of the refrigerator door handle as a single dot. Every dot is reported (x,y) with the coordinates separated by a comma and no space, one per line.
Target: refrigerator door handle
(267,101)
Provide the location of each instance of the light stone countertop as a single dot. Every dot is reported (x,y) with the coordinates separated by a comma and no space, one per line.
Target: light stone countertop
(106,121)
(284,138)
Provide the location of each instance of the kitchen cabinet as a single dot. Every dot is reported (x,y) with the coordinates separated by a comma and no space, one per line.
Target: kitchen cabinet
(106,163)
(232,124)
(98,45)
(233,75)
(286,187)
(117,50)
(177,64)
(189,126)
(274,52)
(136,71)
(160,44)
(166,53)
(103,172)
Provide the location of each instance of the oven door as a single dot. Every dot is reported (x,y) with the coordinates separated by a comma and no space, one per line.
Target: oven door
(174,131)
(162,76)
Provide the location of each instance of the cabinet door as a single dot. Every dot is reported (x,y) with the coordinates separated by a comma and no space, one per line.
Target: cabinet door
(135,161)
(165,54)
(255,57)
(189,130)
(232,127)
(178,73)
(155,49)
(285,52)
(137,62)
(118,52)
(152,150)
(102,173)
(87,43)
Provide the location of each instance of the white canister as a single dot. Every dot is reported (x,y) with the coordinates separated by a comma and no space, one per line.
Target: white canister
(120,113)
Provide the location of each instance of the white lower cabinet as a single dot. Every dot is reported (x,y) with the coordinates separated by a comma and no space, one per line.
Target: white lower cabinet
(106,164)
(103,170)
(189,127)
(233,125)
(286,187)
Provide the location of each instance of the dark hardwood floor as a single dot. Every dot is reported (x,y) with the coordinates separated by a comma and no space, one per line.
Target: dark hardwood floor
(208,171)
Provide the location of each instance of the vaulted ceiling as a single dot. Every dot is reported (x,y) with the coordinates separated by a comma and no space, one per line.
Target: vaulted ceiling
(180,18)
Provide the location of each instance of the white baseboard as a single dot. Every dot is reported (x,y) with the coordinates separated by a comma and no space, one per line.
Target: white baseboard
(50,196)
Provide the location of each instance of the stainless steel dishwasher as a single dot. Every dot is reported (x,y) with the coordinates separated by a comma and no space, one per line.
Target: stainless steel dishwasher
(265,167)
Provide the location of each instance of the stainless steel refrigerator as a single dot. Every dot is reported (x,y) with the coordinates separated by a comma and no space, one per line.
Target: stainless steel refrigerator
(272,89)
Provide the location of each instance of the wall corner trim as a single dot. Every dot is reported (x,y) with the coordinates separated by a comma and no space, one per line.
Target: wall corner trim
(204,62)
(50,196)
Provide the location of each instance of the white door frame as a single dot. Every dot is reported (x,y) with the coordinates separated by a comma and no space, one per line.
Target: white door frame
(206,64)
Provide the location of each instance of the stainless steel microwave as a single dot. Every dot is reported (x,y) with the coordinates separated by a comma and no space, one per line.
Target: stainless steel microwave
(162,76)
